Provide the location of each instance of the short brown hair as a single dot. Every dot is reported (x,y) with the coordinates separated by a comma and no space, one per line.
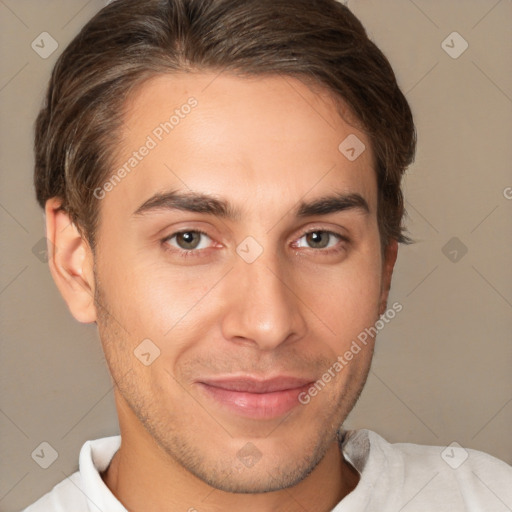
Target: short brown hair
(129,41)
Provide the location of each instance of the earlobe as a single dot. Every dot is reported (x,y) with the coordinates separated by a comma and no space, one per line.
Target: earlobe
(387,272)
(71,262)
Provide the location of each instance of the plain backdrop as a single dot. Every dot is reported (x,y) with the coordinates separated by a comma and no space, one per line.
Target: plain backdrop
(442,369)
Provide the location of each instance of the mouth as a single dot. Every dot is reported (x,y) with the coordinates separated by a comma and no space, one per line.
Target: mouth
(255,398)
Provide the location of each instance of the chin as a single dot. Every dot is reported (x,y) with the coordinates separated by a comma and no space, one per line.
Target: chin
(250,471)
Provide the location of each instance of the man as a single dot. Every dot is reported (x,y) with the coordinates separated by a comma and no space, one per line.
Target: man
(221,183)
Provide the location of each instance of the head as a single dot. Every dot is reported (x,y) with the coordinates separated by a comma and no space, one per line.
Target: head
(221,181)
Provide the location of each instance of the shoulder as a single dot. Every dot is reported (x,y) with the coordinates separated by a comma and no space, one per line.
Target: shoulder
(65,494)
(453,461)
(451,477)
(407,476)
(84,490)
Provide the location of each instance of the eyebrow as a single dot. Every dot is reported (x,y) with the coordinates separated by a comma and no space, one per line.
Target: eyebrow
(205,203)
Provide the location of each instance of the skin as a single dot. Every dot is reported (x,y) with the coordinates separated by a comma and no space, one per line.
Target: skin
(264,144)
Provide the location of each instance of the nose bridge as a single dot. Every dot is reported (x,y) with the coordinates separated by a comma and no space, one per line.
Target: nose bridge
(263,309)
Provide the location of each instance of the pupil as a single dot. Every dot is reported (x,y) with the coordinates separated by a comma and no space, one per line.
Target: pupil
(316,237)
(188,239)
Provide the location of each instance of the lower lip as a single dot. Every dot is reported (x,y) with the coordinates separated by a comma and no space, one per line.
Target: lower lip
(256,405)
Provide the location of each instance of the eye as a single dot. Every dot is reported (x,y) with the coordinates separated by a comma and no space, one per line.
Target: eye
(322,239)
(187,241)
(191,242)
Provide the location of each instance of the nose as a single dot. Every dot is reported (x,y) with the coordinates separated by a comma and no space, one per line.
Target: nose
(263,309)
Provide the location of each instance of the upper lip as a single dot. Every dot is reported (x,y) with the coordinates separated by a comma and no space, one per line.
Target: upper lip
(256,385)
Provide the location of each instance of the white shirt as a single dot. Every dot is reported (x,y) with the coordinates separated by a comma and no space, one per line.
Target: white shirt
(393,477)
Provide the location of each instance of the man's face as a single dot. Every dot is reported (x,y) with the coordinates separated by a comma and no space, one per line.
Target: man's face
(257,309)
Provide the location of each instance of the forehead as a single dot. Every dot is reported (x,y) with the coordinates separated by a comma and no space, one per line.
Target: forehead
(262,142)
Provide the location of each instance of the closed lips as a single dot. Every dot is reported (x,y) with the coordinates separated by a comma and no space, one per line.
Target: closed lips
(249,385)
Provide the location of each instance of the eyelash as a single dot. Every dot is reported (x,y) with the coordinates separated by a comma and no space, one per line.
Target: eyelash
(198,252)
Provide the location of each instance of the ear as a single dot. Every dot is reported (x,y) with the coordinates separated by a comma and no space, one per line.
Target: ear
(71,262)
(388,264)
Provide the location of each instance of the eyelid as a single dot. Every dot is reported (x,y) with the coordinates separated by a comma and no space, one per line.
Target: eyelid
(342,239)
(186,230)
(325,230)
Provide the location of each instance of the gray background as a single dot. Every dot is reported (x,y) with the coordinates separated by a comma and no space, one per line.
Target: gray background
(442,370)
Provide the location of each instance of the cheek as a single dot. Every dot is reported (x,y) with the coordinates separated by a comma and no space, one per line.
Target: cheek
(156,301)
(346,298)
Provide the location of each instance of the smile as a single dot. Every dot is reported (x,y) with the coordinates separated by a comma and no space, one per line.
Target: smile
(254,398)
